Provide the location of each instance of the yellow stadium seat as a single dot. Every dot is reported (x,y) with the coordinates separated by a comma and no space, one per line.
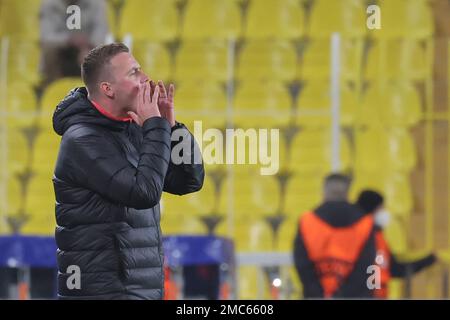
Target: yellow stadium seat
(287,233)
(183,215)
(395,104)
(191,204)
(154,59)
(251,233)
(194,96)
(261,104)
(255,195)
(287,135)
(149,20)
(402,153)
(242,236)
(370,150)
(363,180)
(314,105)
(316,61)
(399,198)
(211,19)
(267,60)
(182,224)
(56,92)
(311,152)
(273,237)
(402,59)
(403,18)
(40,204)
(395,234)
(201,101)
(274,19)
(203,60)
(21,133)
(384,150)
(222,227)
(287,160)
(304,193)
(20,99)
(46,148)
(22,60)
(20,18)
(17,190)
(344,16)
(14,221)
(219,195)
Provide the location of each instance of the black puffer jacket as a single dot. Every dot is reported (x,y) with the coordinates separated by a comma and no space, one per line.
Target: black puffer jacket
(108,181)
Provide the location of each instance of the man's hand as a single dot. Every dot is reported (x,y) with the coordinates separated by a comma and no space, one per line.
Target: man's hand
(165,101)
(147,105)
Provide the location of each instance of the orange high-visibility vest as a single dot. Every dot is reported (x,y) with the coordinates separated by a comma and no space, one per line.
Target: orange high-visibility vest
(383,251)
(170,286)
(334,251)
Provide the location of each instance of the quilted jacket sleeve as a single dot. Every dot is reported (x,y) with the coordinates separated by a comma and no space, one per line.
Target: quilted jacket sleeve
(187,176)
(105,170)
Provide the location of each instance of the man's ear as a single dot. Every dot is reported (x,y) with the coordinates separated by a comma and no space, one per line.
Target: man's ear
(106,89)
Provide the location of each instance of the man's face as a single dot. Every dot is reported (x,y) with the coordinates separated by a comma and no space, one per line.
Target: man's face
(127,77)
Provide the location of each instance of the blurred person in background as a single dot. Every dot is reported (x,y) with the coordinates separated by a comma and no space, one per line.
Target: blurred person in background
(372,203)
(334,245)
(114,162)
(63,49)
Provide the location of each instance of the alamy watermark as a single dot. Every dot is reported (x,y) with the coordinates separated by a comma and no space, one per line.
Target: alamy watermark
(73,21)
(230,146)
(374,271)
(74,280)
(374,19)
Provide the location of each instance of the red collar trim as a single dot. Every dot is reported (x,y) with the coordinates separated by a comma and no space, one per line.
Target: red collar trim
(107,114)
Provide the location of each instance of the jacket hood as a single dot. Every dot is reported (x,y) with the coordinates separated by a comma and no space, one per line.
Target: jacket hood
(339,213)
(76,108)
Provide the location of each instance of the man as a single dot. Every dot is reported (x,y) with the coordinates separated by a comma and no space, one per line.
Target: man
(372,203)
(113,164)
(334,245)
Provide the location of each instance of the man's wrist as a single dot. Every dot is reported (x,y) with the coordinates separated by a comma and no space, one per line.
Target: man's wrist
(156,121)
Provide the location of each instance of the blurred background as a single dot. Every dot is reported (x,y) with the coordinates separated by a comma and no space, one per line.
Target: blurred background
(283,64)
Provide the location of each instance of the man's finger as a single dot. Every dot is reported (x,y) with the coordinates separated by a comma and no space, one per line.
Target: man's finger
(145,93)
(152,87)
(141,95)
(134,116)
(171,91)
(156,95)
(162,89)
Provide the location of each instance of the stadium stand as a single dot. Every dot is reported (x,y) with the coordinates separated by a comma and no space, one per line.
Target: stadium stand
(243,64)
